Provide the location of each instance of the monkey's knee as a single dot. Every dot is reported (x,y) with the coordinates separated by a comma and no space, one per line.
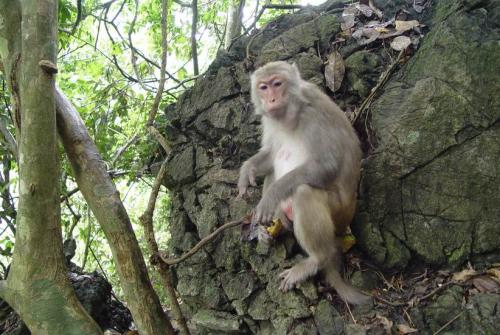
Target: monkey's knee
(303,194)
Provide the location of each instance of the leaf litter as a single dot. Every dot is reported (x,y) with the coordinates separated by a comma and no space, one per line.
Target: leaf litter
(365,23)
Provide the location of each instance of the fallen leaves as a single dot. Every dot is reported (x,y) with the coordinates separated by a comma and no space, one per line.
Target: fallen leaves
(482,281)
(405,329)
(356,24)
(406,25)
(486,284)
(463,275)
(400,43)
(334,71)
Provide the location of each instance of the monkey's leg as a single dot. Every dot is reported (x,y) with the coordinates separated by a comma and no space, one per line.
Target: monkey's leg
(315,232)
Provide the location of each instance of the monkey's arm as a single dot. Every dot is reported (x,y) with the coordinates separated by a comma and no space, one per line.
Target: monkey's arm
(258,165)
(317,174)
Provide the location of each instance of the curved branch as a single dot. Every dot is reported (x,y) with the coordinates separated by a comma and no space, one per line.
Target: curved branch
(204,241)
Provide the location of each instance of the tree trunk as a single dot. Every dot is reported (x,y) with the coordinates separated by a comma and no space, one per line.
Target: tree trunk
(234,17)
(37,286)
(104,200)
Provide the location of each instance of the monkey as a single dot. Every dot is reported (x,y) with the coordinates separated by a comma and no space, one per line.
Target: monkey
(310,156)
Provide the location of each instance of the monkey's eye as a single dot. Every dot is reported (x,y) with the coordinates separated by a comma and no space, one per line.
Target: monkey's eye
(277,84)
(263,87)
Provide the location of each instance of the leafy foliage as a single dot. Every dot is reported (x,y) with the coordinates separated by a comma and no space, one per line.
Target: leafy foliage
(109,61)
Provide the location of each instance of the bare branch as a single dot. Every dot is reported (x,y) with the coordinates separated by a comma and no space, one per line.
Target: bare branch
(204,241)
(147,221)
(161,86)
(194,48)
(9,140)
(121,150)
(269,6)
(78,16)
(182,4)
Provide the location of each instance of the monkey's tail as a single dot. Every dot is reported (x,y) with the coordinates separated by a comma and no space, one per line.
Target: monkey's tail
(347,292)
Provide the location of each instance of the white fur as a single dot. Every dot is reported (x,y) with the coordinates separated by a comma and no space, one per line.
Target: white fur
(289,151)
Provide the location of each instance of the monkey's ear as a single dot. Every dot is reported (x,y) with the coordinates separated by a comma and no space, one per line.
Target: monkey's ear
(296,71)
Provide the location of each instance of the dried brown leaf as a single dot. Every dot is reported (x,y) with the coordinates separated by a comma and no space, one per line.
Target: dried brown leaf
(358,33)
(349,17)
(406,25)
(377,24)
(420,289)
(334,71)
(371,35)
(486,284)
(405,329)
(385,322)
(400,43)
(494,272)
(464,275)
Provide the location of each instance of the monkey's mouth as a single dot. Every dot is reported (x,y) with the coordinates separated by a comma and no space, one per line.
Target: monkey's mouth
(276,111)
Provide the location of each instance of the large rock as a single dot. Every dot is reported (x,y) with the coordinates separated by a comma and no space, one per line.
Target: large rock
(428,191)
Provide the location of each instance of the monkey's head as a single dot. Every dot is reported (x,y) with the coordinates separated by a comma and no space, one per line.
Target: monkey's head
(272,86)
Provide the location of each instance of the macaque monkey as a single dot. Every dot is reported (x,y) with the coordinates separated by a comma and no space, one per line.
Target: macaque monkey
(311,158)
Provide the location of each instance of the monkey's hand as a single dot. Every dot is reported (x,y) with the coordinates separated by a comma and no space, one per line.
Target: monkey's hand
(266,208)
(247,177)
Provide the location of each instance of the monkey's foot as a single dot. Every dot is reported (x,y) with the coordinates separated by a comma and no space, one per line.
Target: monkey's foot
(297,274)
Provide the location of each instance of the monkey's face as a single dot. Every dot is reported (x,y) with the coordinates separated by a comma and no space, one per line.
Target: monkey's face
(273,94)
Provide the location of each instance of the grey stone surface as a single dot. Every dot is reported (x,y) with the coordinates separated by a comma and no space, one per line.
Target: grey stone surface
(429,190)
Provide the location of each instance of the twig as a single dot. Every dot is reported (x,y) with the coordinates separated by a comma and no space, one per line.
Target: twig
(147,218)
(448,323)
(123,149)
(436,290)
(181,83)
(350,312)
(425,297)
(249,45)
(270,6)
(161,85)
(69,194)
(367,102)
(204,241)
(9,140)
(194,48)
(164,270)
(390,303)
(159,137)
(133,58)
(78,16)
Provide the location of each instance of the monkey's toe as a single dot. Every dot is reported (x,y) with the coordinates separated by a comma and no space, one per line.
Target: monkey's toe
(288,280)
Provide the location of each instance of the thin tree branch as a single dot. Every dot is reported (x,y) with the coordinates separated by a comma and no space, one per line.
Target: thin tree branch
(269,6)
(78,16)
(124,148)
(9,140)
(147,218)
(204,241)
(182,4)
(147,222)
(194,48)
(365,105)
(161,86)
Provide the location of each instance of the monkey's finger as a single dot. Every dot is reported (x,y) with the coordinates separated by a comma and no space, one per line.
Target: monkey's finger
(251,178)
(257,217)
(284,274)
(242,190)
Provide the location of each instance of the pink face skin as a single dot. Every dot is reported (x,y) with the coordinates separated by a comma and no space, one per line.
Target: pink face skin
(272,92)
